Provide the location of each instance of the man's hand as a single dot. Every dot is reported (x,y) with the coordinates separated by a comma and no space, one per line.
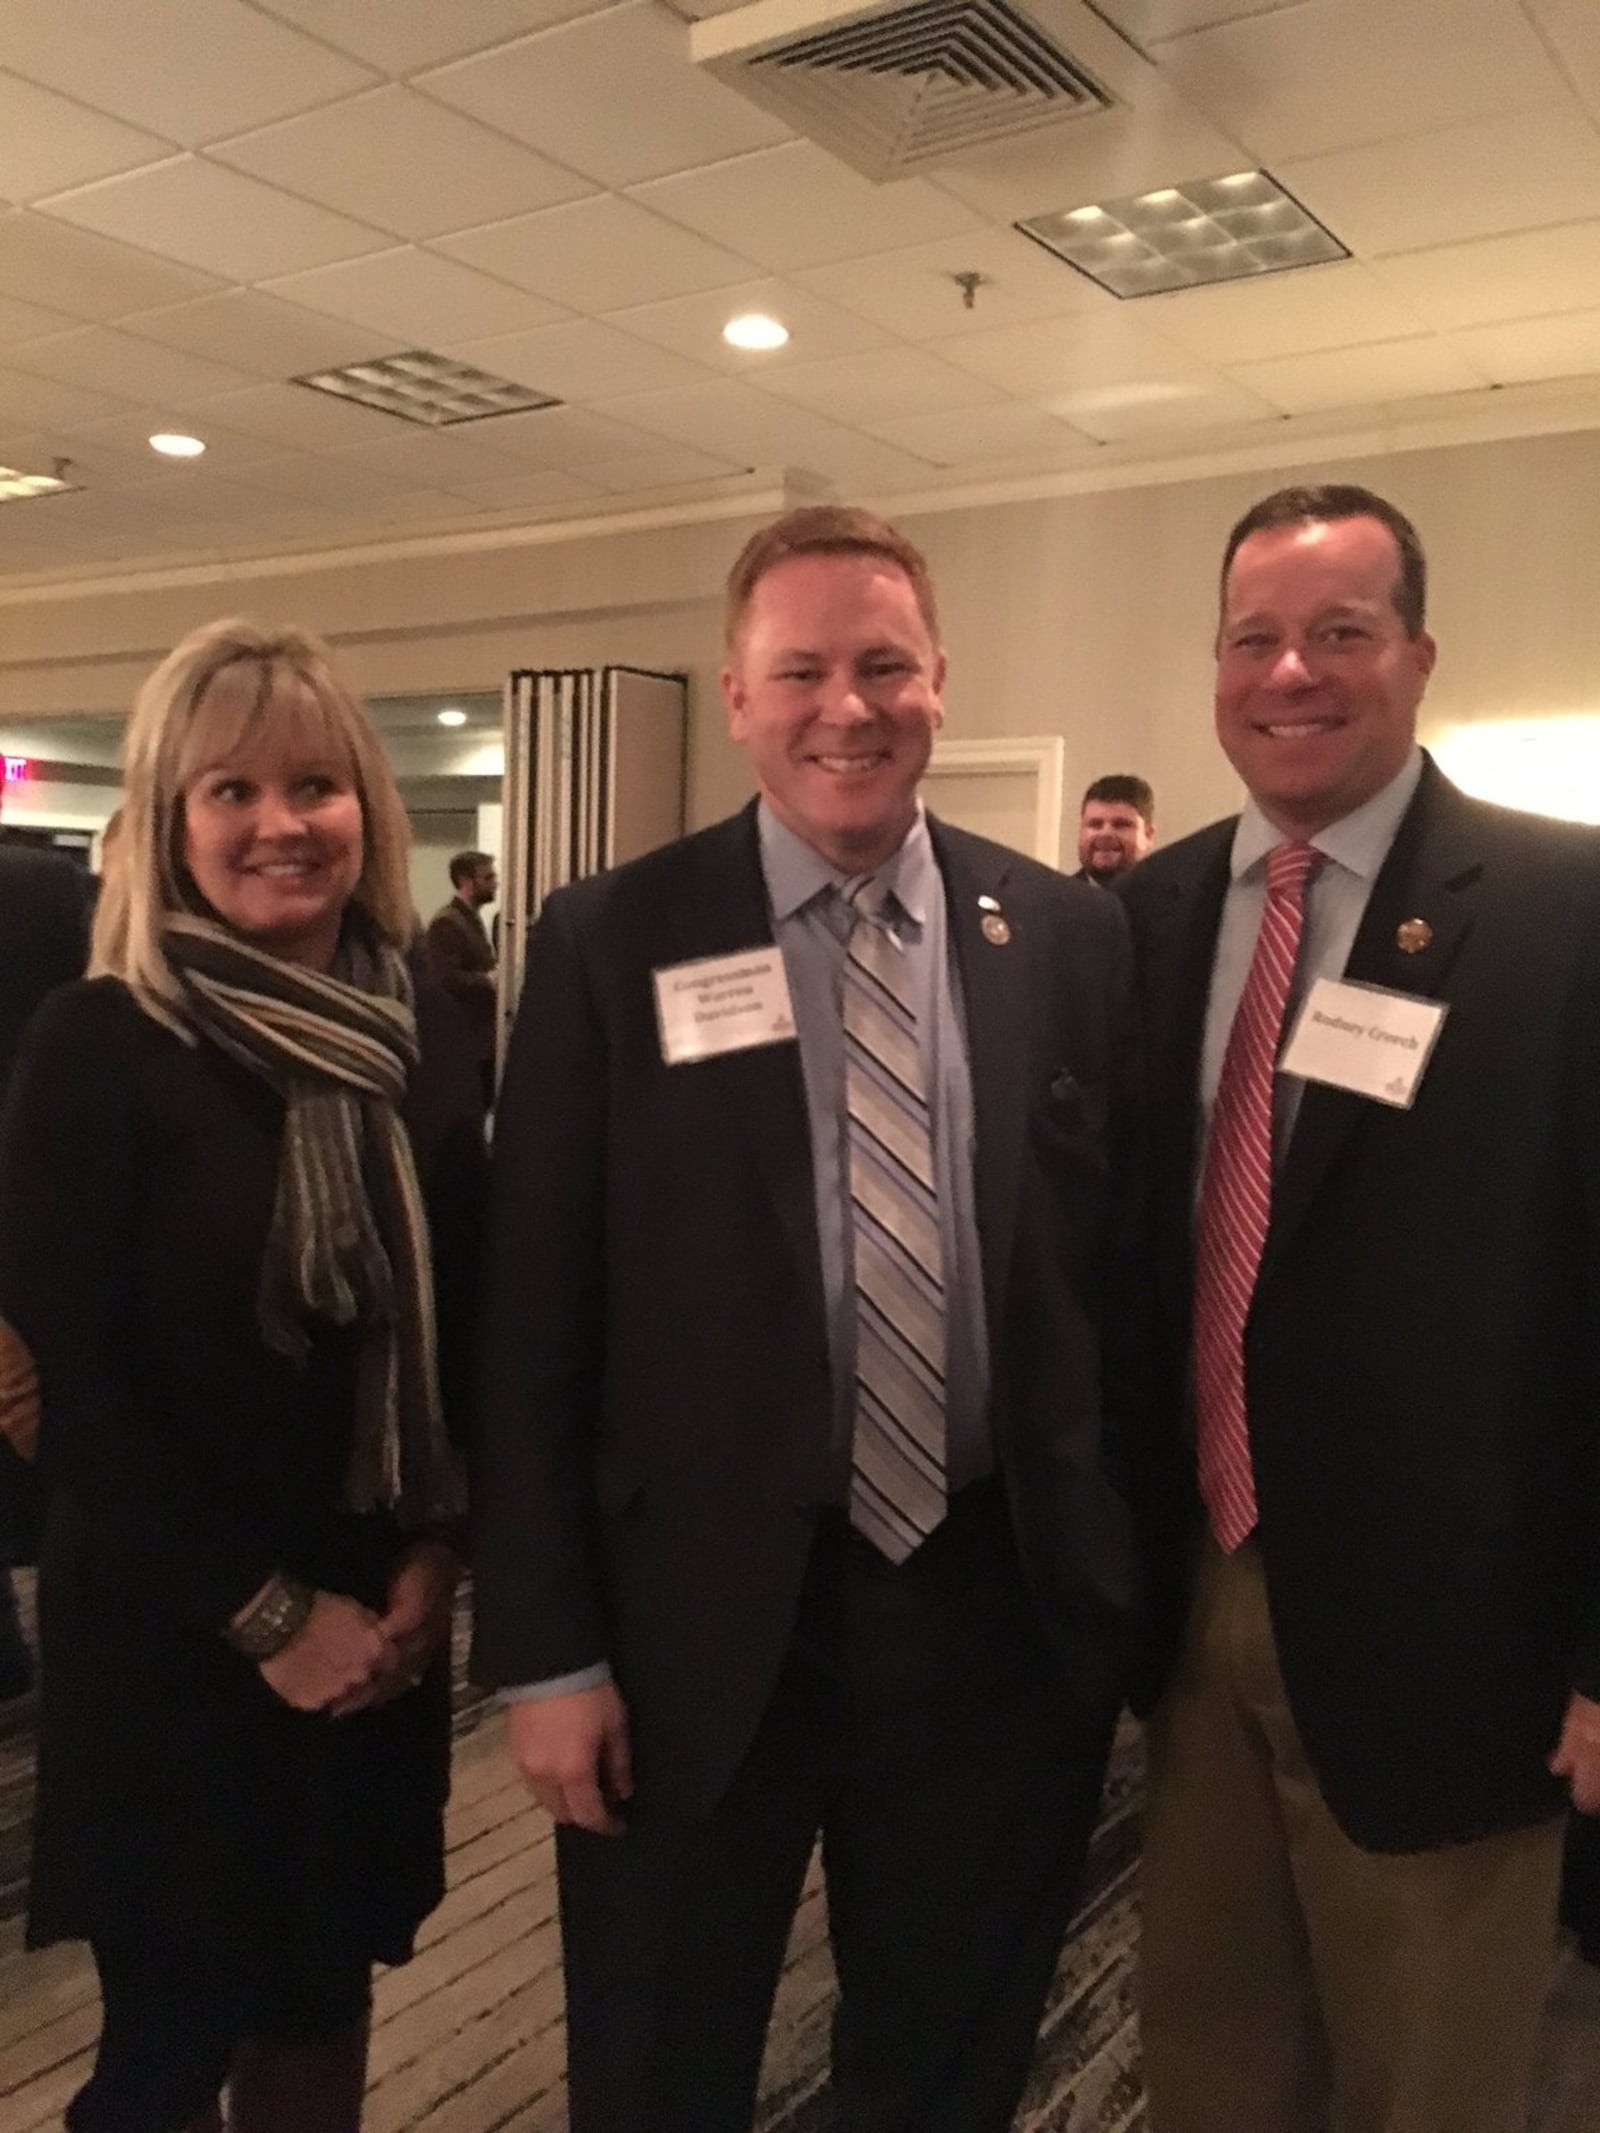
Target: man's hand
(573,1751)
(422,1590)
(1577,1755)
(340,1652)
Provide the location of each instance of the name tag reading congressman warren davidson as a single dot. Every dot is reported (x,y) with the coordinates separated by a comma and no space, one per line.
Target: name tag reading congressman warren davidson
(723,1003)
(1364,1038)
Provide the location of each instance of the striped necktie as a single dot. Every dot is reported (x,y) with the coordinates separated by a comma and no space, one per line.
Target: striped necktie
(1236,1201)
(897,1487)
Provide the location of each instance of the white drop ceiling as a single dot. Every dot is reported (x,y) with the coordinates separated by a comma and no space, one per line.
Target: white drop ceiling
(202,199)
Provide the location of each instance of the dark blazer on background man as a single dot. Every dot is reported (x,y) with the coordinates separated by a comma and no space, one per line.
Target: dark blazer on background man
(44,937)
(658,1392)
(1423,1350)
(462,960)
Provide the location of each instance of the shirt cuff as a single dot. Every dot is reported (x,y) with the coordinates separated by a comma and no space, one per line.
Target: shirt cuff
(587,1677)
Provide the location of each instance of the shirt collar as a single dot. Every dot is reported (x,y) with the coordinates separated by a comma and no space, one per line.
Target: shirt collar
(1359,842)
(795,871)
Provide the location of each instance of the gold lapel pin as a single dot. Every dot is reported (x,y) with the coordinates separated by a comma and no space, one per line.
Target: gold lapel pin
(1412,935)
(995,929)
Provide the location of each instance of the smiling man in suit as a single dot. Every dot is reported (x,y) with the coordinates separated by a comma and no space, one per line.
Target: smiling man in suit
(1379,1287)
(793,1511)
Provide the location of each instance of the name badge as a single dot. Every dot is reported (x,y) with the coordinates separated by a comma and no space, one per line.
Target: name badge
(1364,1038)
(723,1003)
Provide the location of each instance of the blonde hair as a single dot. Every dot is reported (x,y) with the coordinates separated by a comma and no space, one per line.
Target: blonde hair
(227,685)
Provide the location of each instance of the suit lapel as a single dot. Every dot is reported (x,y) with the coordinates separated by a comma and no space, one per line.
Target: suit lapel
(1431,874)
(994,978)
(724,911)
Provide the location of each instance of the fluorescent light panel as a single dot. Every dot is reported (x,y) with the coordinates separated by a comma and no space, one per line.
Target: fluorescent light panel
(428,389)
(1186,236)
(16,487)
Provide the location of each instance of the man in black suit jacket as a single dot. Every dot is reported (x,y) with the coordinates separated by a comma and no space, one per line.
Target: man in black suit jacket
(462,957)
(44,907)
(710,1659)
(1393,1634)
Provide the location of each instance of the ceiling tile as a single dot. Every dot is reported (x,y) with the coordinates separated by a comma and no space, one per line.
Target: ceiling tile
(1146,20)
(431,458)
(797,206)
(581,360)
(1160,140)
(27,322)
(1155,407)
(615,96)
(598,255)
(982,435)
(1356,377)
(296,418)
(692,326)
(49,262)
(42,403)
(258,334)
(669,467)
(403,164)
(531,490)
(1526,275)
(1467,181)
(328,478)
(190,70)
(1334,306)
(570,439)
(1341,73)
(213,218)
(90,355)
(114,451)
(876,387)
(402,35)
(1061,355)
(414,299)
(858,466)
(1573,28)
(722,416)
(48,143)
(913,293)
(1565,347)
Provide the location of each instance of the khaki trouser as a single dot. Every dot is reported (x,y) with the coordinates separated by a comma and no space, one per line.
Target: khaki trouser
(1291,1982)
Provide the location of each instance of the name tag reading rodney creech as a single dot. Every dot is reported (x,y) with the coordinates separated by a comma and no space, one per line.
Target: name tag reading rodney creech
(1364,1038)
(723,1003)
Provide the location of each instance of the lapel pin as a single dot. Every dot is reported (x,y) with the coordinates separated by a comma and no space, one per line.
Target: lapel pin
(1412,935)
(995,929)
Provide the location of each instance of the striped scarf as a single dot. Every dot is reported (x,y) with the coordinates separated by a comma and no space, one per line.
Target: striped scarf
(348,1243)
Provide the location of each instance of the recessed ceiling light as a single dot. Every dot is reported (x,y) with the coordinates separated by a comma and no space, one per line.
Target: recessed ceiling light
(1186,236)
(755,330)
(16,487)
(452,717)
(172,444)
(431,389)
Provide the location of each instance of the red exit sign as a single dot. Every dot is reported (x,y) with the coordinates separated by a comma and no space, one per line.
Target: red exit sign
(16,768)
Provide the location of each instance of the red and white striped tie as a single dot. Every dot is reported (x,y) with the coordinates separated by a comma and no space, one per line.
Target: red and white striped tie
(1236,1201)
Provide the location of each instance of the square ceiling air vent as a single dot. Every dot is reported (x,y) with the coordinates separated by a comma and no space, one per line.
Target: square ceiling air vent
(1186,236)
(429,389)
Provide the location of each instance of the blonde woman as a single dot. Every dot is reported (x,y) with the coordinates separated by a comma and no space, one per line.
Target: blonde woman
(238,1162)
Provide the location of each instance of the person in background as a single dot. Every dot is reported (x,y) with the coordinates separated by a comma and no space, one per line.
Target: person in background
(44,941)
(1116,827)
(792,1510)
(1376,1265)
(238,1165)
(462,956)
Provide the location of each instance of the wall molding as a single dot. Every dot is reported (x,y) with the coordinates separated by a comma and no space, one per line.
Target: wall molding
(1040,756)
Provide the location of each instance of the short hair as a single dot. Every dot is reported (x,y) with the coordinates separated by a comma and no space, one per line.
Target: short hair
(465,864)
(1123,789)
(826,529)
(1325,504)
(225,683)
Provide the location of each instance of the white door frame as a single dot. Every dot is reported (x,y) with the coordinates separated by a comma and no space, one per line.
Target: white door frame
(1043,757)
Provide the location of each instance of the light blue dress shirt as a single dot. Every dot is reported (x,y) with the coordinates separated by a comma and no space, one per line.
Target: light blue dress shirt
(1353,850)
(811,926)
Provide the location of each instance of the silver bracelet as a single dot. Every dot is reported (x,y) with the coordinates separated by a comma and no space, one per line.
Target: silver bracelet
(275,1620)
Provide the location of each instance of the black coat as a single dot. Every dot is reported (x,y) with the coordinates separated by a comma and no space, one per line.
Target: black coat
(185,1461)
(1423,1351)
(657,1398)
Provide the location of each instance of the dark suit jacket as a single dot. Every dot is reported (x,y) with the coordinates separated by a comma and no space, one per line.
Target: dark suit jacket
(1423,1353)
(658,1393)
(463,962)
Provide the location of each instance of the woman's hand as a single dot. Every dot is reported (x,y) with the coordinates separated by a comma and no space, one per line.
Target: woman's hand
(416,1625)
(341,1651)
